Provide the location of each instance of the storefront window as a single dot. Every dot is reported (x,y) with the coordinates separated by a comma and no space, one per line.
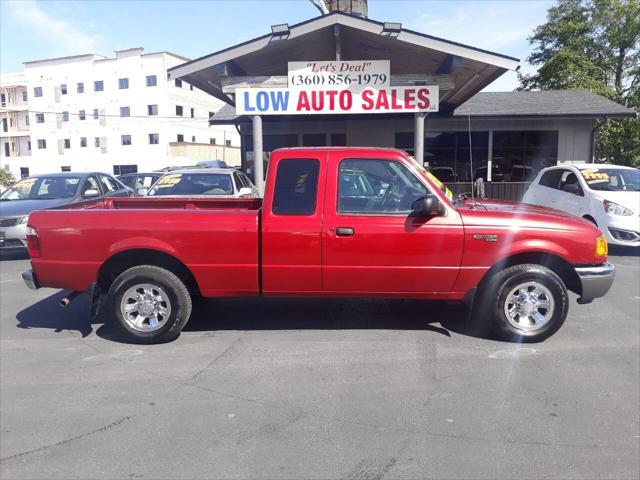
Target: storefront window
(520,155)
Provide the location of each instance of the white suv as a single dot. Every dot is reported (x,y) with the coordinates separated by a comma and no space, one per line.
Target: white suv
(607,195)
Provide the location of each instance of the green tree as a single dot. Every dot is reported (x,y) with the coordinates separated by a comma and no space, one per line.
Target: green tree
(593,45)
(5,176)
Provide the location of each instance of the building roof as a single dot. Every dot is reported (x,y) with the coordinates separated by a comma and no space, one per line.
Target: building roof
(543,104)
(547,103)
(470,69)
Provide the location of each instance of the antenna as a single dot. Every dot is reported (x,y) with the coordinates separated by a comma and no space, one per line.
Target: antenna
(473,200)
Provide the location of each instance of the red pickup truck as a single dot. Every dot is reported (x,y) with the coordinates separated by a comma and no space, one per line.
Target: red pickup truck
(334,222)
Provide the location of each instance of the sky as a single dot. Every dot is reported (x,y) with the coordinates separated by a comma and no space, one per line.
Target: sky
(32,30)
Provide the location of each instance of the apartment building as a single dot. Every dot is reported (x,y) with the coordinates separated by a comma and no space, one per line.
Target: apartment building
(118,115)
(15,140)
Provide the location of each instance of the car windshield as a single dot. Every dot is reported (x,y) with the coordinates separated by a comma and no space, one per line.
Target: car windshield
(612,179)
(193,184)
(42,188)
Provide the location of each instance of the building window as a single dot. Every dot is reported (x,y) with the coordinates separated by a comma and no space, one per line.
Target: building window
(152,109)
(83,142)
(125,139)
(212,141)
(63,89)
(98,86)
(124,169)
(338,139)
(7,149)
(42,144)
(28,144)
(80,87)
(96,114)
(37,91)
(520,155)
(96,141)
(193,112)
(314,140)
(65,116)
(24,95)
(5,127)
(193,138)
(191,87)
(152,80)
(154,138)
(26,120)
(24,172)
(180,137)
(65,168)
(67,143)
(178,83)
(125,112)
(178,110)
(227,143)
(123,83)
(82,115)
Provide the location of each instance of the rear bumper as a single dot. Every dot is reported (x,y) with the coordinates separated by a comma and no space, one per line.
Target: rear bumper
(31,280)
(596,281)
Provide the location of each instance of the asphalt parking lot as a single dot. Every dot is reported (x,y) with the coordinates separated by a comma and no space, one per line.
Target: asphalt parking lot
(354,389)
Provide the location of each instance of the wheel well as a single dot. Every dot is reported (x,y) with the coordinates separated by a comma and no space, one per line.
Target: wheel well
(591,219)
(557,264)
(122,261)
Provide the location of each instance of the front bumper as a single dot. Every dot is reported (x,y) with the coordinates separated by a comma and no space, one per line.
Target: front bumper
(596,281)
(13,237)
(30,279)
(621,230)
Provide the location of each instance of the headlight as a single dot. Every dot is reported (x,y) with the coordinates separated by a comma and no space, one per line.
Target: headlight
(22,220)
(615,209)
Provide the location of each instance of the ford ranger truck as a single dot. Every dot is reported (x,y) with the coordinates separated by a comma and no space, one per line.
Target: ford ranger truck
(334,222)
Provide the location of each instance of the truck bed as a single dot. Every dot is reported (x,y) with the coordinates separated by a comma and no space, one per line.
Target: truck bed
(217,239)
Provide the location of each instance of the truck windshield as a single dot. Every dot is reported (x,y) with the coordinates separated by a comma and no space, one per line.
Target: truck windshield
(213,184)
(612,179)
(42,188)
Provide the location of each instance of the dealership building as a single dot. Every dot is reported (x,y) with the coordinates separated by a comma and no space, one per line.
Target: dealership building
(508,136)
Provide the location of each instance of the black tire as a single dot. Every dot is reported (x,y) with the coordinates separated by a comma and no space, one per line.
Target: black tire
(171,285)
(494,296)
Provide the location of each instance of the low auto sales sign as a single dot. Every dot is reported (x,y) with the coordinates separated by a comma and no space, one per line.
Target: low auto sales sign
(337,88)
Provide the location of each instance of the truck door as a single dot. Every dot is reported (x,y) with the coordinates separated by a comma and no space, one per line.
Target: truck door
(292,224)
(371,245)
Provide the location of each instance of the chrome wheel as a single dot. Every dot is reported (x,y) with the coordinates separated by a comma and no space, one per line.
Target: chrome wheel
(529,306)
(145,307)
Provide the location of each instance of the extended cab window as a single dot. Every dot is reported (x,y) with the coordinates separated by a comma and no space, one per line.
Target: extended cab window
(296,187)
(376,187)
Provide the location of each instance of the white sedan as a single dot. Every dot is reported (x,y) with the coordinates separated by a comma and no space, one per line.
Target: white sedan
(607,195)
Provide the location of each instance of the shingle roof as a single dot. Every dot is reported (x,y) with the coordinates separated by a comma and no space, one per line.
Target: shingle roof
(547,103)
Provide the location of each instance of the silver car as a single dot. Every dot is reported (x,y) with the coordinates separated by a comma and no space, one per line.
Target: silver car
(47,191)
(207,182)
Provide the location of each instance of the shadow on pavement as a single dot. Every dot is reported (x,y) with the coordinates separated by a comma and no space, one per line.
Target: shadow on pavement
(620,251)
(269,314)
(11,254)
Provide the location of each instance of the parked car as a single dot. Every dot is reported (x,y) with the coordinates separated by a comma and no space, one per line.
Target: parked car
(212,164)
(215,182)
(606,195)
(315,236)
(139,182)
(47,191)
(445,174)
(496,173)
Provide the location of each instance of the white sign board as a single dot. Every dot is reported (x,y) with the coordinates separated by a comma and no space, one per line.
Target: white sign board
(332,75)
(285,101)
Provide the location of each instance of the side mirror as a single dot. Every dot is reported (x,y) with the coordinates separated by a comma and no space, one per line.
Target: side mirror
(573,188)
(142,192)
(428,206)
(91,193)
(245,192)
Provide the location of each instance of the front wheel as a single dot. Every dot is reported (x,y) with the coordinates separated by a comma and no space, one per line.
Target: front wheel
(525,303)
(148,304)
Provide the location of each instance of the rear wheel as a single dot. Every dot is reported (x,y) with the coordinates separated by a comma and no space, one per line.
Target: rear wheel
(525,303)
(149,304)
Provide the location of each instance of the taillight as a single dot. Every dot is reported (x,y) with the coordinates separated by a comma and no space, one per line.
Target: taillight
(33,242)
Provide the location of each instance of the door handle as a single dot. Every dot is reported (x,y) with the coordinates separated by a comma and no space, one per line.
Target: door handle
(344,232)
